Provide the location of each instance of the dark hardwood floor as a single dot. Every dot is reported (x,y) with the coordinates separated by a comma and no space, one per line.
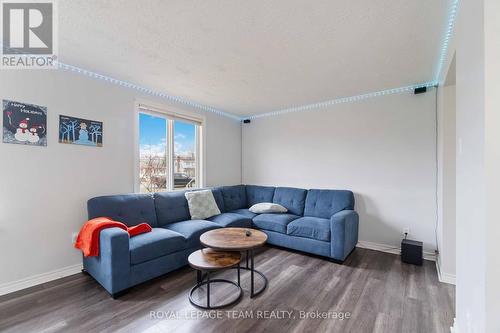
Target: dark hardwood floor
(379,292)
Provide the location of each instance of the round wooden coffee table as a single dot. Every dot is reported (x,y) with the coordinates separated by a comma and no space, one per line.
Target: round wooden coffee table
(238,239)
(207,261)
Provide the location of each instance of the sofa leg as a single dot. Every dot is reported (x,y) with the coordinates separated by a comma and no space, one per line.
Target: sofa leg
(119,294)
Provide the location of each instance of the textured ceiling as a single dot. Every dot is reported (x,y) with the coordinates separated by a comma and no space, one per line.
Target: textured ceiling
(249,57)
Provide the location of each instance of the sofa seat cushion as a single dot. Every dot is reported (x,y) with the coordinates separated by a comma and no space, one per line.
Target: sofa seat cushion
(154,244)
(231,220)
(310,227)
(192,230)
(274,222)
(245,212)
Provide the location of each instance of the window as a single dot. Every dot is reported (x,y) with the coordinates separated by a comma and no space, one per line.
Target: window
(169,151)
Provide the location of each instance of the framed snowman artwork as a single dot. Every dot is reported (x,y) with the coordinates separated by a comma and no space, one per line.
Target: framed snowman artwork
(80,131)
(24,124)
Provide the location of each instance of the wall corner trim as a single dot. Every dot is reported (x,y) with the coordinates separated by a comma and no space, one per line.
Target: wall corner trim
(444,277)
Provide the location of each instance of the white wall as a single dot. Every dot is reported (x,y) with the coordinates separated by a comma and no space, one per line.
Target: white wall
(470,187)
(447,182)
(478,165)
(44,190)
(492,161)
(383,149)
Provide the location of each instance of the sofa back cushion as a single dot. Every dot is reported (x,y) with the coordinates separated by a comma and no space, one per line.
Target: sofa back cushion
(219,199)
(171,207)
(130,209)
(235,197)
(291,198)
(325,203)
(257,194)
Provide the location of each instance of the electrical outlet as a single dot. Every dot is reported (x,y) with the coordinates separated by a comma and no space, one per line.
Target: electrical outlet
(73,237)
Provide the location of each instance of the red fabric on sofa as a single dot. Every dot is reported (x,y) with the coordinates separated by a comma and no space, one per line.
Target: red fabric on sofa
(88,237)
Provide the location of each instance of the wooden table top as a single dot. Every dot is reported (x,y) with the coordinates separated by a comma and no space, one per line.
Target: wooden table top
(233,239)
(210,259)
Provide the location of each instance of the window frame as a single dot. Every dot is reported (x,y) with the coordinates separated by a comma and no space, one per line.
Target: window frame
(170,114)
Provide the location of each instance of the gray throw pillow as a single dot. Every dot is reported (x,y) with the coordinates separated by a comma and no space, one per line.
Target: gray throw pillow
(267,207)
(201,204)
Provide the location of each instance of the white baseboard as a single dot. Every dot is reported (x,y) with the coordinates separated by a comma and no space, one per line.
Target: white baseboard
(379,247)
(454,328)
(445,277)
(10,287)
(391,249)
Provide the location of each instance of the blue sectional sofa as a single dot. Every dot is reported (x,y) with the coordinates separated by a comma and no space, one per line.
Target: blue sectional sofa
(321,222)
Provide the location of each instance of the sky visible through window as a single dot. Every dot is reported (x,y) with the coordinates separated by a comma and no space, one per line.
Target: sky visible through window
(155,161)
(184,136)
(153,135)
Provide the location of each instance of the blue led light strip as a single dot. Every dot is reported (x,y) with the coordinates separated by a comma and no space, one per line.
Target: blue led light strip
(307,107)
(176,99)
(319,105)
(145,90)
(446,40)
(444,49)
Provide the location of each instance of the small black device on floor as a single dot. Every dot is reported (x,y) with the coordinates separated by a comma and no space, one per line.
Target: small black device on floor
(412,252)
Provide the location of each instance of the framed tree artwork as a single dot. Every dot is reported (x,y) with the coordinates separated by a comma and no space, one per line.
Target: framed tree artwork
(80,131)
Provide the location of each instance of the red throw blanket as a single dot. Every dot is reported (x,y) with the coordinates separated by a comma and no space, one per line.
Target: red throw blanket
(88,237)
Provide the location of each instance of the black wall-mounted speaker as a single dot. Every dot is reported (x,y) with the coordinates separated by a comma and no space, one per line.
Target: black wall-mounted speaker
(420,90)
(246,121)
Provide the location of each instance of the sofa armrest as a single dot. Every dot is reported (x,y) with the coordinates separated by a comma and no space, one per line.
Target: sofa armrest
(112,267)
(344,233)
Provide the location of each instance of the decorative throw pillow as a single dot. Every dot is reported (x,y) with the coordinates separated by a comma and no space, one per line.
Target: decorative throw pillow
(267,207)
(201,204)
